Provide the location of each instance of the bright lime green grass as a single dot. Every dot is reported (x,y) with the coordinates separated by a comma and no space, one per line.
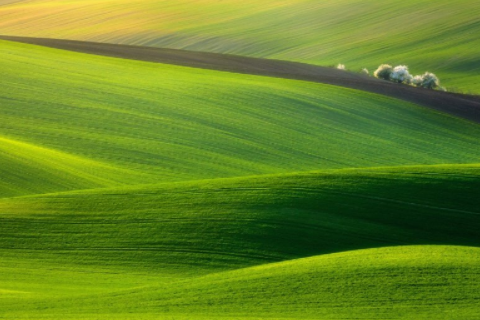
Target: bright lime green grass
(170,250)
(26,168)
(440,36)
(424,282)
(415,282)
(102,122)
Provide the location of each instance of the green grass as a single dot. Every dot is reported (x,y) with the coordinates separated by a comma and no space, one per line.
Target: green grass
(175,247)
(29,169)
(439,36)
(132,190)
(135,122)
(415,282)
(389,283)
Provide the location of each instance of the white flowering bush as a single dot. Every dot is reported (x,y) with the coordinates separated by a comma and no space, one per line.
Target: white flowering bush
(430,81)
(400,74)
(383,72)
(417,81)
(341,67)
(427,80)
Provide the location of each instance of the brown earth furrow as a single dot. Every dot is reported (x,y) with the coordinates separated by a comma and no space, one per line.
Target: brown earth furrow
(460,105)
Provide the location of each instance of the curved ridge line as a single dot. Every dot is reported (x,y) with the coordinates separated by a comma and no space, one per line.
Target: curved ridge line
(61,161)
(139,188)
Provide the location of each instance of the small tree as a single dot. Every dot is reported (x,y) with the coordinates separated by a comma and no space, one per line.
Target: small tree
(365,71)
(400,74)
(417,81)
(383,72)
(427,80)
(430,81)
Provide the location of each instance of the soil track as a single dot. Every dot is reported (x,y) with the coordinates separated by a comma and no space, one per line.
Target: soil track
(465,106)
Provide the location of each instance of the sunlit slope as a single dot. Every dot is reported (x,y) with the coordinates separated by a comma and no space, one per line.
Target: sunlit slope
(440,36)
(167,123)
(392,283)
(28,169)
(413,282)
(207,226)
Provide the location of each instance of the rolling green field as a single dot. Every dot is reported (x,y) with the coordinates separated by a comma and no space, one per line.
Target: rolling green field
(439,36)
(77,121)
(247,248)
(134,190)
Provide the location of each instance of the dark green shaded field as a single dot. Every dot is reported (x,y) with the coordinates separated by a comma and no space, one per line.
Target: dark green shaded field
(248,221)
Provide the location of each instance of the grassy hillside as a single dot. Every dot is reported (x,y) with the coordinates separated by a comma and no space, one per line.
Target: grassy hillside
(389,283)
(440,36)
(170,250)
(145,253)
(205,249)
(224,224)
(29,169)
(202,202)
(135,122)
(416,282)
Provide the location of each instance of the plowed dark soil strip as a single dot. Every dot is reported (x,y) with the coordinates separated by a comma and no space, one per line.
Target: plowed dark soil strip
(464,106)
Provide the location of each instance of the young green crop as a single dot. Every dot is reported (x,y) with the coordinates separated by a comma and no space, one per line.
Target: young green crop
(227,248)
(100,121)
(217,225)
(437,36)
(276,244)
